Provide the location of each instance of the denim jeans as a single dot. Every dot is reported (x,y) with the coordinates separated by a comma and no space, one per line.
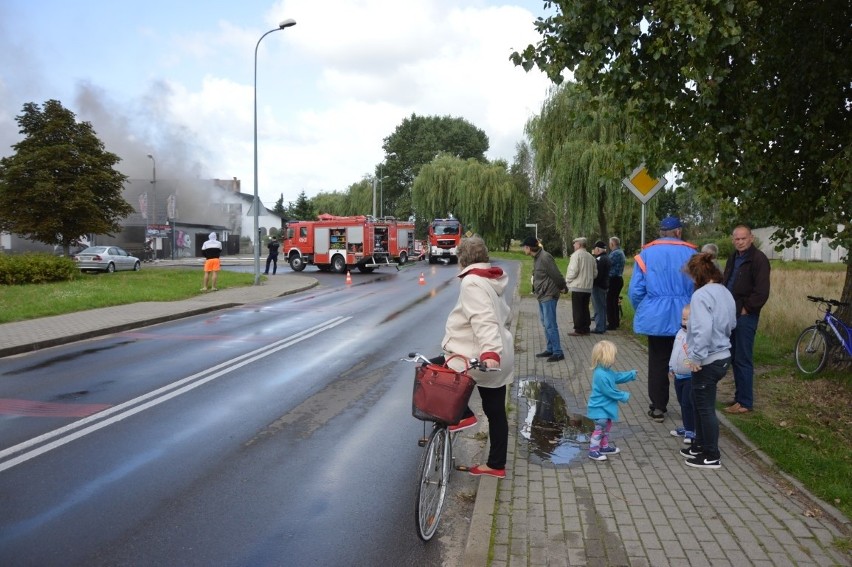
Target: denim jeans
(547,312)
(704,399)
(599,303)
(742,359)
(683,389)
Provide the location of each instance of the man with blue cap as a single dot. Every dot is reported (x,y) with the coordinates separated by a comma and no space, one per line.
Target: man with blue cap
(659,289)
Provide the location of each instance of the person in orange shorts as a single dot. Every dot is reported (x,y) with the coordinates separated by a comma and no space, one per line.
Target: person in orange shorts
(211,249)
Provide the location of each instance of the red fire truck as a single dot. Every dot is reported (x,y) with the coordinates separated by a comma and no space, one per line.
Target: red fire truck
(444,238)
(338,244)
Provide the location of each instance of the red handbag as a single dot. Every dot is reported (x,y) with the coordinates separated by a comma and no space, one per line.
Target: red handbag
(440,393)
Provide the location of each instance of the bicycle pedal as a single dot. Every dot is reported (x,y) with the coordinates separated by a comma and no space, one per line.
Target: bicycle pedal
(462,468)
(422,442)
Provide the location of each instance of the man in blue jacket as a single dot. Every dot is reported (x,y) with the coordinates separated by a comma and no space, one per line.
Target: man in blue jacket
(659,289)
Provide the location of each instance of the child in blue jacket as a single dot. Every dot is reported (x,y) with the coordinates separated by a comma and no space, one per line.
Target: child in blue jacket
(603,401)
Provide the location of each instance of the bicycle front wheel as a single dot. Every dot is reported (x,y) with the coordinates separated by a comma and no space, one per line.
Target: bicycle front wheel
(812,350)
(434,478)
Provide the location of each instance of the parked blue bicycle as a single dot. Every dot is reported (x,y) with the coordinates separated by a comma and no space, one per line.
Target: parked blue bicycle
(818,341)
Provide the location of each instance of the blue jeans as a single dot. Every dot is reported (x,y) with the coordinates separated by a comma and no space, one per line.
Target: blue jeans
(599,303)
(547,312)
(742,359)
(683,389)
(704,399)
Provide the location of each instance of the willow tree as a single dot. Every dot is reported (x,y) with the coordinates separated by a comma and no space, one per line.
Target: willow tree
(484,196)
(579,143)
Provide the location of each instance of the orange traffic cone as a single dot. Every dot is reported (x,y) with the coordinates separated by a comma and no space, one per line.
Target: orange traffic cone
(422,280)
(348,278)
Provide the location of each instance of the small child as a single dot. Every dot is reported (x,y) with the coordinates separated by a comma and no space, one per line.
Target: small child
(603,401)
(682,376)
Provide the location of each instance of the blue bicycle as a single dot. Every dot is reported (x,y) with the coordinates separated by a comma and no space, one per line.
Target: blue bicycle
(826,336)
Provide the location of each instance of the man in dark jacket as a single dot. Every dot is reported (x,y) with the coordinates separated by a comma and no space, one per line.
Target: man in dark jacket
(548,283)
(600,287)
(747,277)
(273,256)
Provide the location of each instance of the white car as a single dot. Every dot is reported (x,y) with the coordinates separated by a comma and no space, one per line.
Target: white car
(106,259)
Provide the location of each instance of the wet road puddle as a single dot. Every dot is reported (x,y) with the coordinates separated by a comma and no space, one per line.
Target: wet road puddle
(555,431)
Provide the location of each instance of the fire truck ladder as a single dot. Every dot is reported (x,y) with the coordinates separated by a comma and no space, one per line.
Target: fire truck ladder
(383,260)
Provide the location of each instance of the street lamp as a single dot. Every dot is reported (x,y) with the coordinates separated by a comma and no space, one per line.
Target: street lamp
(256,202)
(154,201)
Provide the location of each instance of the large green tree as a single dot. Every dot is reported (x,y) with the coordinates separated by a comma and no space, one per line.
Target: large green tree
(416,141)
(60,182)
(579,142)
(484,196)
(749,99)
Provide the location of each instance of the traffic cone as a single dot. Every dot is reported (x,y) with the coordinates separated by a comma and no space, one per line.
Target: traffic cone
(348,278)
(422,280)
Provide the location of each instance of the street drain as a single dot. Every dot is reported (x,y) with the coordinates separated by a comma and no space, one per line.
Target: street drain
(555,434)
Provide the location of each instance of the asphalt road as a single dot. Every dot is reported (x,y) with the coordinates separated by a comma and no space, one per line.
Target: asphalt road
(274,434)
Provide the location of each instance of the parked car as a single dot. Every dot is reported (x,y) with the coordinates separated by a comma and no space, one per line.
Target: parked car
(106,259)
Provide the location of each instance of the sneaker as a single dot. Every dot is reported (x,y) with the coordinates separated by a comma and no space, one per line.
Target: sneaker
(597,456)
(657,416)
(688,440)
(609,450)
(464,424)
(704,462)
(203,289)
(544,354)
(479,471)
(679,432)
(690,452)
(556,358)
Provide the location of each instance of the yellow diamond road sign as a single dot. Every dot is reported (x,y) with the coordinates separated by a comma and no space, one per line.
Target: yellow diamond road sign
(643,185)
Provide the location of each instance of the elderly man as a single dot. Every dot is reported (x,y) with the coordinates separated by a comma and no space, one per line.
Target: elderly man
(747,278)
(582,270)
(658,290)
(548,284)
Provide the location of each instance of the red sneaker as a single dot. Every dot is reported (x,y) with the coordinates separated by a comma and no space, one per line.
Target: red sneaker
(464,424)
(479,471)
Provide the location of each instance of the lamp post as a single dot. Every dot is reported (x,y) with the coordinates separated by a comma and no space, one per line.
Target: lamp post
(154,202)
(256,202)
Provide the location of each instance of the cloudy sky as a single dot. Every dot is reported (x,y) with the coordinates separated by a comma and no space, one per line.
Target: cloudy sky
(175,79)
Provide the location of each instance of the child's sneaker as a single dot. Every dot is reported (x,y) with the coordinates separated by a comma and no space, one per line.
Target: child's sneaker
(610,450)
(679,432)
(597,456)
(688,437)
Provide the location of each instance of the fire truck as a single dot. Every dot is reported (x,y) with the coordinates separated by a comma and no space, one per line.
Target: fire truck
(444,238)
(338,244)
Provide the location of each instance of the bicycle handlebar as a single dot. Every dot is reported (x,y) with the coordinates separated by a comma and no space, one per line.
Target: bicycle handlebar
(832,302)
(475,363)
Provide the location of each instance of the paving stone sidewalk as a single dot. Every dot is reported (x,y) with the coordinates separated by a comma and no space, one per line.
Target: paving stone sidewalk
(643,507)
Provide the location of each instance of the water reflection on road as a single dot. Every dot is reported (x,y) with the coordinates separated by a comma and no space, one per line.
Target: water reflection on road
(555,434)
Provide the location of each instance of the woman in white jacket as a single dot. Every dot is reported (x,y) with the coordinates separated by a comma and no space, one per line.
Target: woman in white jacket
(478,327)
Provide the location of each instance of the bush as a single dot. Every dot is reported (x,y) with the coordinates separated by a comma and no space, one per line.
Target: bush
(36,268)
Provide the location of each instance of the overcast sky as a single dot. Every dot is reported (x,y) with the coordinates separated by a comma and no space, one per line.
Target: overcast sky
(175,79)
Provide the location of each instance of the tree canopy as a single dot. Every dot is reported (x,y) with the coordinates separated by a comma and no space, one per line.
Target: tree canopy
(60,182)
(416,141)
(749,100)
(484,196)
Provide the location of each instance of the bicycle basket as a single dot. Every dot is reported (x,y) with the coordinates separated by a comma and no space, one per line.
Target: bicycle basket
(440,393)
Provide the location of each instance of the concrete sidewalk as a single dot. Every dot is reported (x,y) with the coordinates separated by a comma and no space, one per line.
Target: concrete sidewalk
(25,336)
(642,507)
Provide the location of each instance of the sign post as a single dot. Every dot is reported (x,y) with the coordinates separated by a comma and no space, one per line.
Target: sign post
(644,187)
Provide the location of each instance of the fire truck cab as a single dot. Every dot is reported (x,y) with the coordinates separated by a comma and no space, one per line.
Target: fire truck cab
(444,238)
(337,244)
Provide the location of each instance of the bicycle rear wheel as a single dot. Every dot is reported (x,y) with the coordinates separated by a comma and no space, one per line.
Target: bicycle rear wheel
(812,349)
(434,477)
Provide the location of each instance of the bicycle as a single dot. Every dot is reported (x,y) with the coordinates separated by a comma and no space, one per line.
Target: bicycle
(435,465)
(817,341)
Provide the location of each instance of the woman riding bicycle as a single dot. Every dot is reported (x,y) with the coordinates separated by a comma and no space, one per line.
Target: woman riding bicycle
(478,327)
